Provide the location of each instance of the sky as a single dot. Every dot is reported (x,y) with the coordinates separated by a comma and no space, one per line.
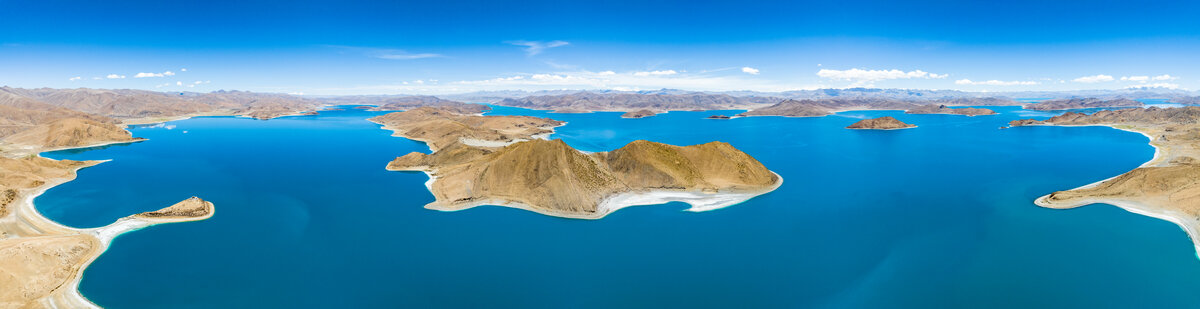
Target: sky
(440,47)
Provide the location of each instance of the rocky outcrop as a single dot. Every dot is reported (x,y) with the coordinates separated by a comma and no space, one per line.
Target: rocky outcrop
(822,107)
(719,117)
(638,114)
(1025,122)
(943,109)
(881,123)
(1077,103)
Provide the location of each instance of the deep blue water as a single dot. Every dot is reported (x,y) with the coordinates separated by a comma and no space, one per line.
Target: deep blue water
(937,216)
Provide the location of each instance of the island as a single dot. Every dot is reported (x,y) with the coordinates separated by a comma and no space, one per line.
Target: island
(718,117)
(881,123)
(641,113)
(1078,103)
(552,178)
(1166,187)
(943,109)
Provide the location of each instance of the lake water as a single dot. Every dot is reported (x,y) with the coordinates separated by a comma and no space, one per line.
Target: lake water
(936,216)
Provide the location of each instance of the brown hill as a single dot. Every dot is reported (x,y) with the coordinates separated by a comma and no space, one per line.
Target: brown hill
(881,123)
(70,132)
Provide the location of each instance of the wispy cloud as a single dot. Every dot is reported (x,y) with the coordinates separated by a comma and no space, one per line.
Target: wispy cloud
(533,48)
(75,78)
(114,76)
(749,70)
(995,82)
(144,74)
(1094,79)
(655,73)
(862,77)
(393,54)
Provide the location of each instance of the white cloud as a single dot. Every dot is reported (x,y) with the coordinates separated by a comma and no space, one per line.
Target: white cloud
(183,70)
(1165,77)
(75,78)
(862,77)
(178,83)
(144,74)
(1141,78)
(536,47)
(1094,79)
(995,82)
(749,70)
(656,73)
(114,76)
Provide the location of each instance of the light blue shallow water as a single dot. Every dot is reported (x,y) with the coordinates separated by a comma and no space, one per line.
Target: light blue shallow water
(936,216)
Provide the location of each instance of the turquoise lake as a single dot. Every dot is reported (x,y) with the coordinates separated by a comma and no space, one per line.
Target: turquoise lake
(936,216)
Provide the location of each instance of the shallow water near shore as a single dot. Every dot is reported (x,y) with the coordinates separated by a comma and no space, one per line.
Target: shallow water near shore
(936,216)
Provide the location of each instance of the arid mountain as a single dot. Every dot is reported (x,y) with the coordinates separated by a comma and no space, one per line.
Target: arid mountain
(589,101)
(822,107)
(977,101)
(881,123)
(441,127)
(1077,103)
(18,113)
(942,109)
(140,104)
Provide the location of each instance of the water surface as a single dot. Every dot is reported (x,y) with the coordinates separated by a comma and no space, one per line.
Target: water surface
(936,216)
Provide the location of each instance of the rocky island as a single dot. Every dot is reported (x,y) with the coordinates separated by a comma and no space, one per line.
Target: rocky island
(881,123)
(1166,187)
(943,109)
(641,113)
(550,177)
(1078,103)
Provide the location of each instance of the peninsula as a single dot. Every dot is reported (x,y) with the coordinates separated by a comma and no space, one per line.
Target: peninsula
(551,178)
(1166,187)
(881,123)
(41,262)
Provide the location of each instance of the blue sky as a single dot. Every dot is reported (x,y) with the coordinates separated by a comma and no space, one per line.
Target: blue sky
(432,47)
